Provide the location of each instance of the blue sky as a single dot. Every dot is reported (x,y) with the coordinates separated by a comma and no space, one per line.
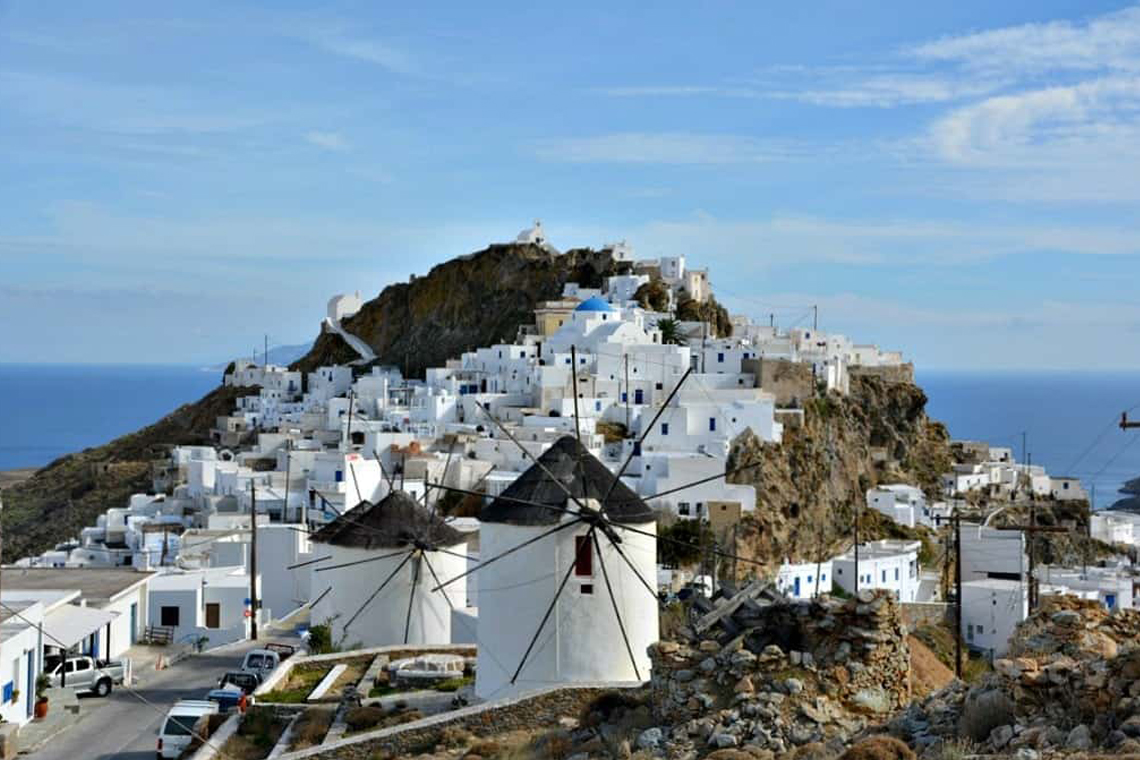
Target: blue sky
(959,182)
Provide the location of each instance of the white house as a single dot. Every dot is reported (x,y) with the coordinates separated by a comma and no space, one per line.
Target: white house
(1109,586)
(209,602)
(581,639)
(344,306)
(1067,489)
(384,562)
(992,553)
(1116,529)
(904,504)
(21,657)
(991,610)
(804,580)
(887,564)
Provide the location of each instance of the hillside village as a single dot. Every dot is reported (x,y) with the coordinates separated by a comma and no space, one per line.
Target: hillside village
(507,516)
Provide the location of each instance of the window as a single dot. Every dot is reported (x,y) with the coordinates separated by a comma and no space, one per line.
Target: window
(587,588)
(823,577)
(664,428)
(720,358)
(712,424)
(839,571)
(896,573)
(683,508)
(660,386)
(884,574)
(597,406)
(583,556)
(169,616)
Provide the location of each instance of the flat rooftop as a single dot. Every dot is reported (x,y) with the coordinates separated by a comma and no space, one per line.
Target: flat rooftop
(95,584)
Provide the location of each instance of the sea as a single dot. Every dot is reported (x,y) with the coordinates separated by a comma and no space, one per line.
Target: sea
(1069,419)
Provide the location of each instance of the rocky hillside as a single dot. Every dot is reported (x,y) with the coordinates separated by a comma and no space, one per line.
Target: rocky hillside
(809,486)
(69,493)
(471,301)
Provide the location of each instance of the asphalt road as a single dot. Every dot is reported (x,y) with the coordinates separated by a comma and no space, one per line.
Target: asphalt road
(122,726)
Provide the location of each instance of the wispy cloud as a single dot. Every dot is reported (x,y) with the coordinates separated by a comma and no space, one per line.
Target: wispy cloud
(662,148)
(328,140)
(338,40)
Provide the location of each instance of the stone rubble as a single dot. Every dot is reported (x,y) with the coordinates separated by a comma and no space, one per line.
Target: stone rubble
(1070,684)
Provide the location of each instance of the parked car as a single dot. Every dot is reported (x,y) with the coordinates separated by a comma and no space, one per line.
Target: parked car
(244,680)
(86,674)
(183,721)
(260,662)
(228,698)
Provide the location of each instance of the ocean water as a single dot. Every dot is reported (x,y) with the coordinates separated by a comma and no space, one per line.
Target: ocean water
(47,411)
(1069,419)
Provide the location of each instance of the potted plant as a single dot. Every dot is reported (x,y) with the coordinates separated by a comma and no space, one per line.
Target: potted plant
(43,683)
(15,696)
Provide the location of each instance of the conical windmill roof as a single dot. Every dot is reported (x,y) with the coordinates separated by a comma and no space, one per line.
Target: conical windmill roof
(582,474)
(395,521)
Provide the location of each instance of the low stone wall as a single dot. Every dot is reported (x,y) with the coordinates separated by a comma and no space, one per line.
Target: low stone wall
(806,672)
(899,373)
(536,709)
(791,382)
(918,614)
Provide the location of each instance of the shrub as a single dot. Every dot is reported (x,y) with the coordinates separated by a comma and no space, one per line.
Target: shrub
(880,747)
(956,749)
(982,712)
(320,639)
(486,749)
(311,728)
(362,718)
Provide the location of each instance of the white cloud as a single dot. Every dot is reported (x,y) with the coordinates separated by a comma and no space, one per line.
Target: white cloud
(327,140)
(663,148)
(338,41)
(1110,41)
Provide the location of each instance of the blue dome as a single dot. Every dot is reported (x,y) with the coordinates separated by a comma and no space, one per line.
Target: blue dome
(595,304)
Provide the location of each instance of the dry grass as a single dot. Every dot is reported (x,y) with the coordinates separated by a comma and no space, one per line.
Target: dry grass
(370,718)
(928,674)
(258,733)
(311,727)
(302,679)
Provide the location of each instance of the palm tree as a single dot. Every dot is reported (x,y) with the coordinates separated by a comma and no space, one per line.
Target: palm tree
(670,331)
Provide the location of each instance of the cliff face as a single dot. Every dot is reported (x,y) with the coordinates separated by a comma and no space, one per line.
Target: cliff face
(808,486)
(68,494)
(471,301)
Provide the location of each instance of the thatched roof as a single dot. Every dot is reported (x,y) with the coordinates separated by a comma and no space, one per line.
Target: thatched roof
(395,521)
(581,474)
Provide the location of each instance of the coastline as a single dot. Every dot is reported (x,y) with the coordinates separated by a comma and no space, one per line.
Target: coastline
(9,478)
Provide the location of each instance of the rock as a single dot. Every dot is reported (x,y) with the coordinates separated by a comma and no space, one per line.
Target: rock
(872,699)
(1001,736)
(650,738)
(1079,738)
(624,750)
(722,740)
(1066,618)
(1025,753)
(795,657)
(708,645)
(744,686)
(683,676)
(708,665)
(1131,727)
(794,685)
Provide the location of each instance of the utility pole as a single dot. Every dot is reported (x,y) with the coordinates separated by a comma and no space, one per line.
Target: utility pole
(288,461)
(814,318)
(1127,424)
(265,352)
(626,356)
(253,562)
(857,548)
(957,595)
(162,562)
(348,429)
(1030,531)
(818,559)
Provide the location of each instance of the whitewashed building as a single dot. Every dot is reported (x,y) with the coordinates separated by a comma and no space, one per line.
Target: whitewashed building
(804,580)
(887,564)
(991,610)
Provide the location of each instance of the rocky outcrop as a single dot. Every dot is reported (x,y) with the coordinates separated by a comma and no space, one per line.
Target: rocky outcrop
(1070,683)
(808,673)
(474,300)
(809,485)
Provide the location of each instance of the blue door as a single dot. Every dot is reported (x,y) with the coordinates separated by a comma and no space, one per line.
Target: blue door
(134,623)
(1110,601)
(797,591)
(638,396)
(31,682)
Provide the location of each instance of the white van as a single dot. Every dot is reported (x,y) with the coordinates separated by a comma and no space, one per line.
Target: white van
(186,718)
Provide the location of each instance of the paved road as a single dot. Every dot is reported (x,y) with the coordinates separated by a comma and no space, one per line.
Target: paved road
(122,727)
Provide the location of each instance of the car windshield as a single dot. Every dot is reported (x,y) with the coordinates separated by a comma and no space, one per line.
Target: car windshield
(259,661)
(180,725)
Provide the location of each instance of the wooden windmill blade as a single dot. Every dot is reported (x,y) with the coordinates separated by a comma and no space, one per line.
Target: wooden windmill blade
(412,594)
(361,561)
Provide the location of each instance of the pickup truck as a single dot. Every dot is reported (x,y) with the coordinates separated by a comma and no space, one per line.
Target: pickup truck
(86,674)
(247,682)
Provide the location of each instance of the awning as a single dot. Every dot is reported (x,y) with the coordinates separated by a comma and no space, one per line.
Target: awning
(70,624)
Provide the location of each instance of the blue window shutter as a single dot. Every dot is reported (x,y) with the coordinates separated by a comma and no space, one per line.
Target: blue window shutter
(664,428)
